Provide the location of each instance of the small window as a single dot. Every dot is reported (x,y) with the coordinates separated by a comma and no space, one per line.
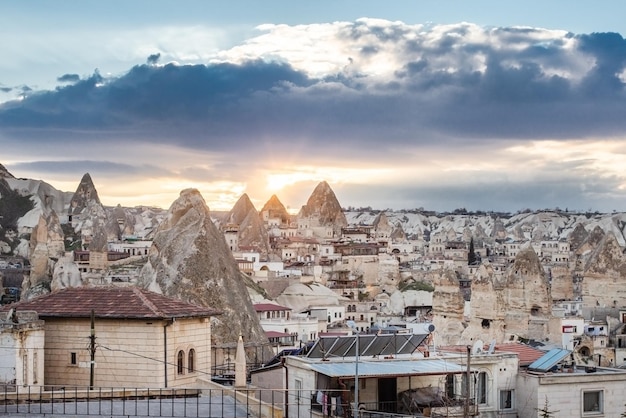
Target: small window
(25,369)
(73,358)
(298,387)
(506,399)
(593,402)
(191,358)
(481,390)
(35,368)
(180,362)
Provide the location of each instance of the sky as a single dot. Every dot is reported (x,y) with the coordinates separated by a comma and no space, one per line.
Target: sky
(482,105)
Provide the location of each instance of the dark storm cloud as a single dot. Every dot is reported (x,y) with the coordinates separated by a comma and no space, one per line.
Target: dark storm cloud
(153,59)
(191,98)
(262,103)
(5,89)
(68,78)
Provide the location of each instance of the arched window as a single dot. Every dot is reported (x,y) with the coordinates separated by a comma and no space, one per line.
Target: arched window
(191,357)
(181,362)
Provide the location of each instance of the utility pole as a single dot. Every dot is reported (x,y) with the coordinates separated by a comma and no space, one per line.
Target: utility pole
(468,374)
(92,349)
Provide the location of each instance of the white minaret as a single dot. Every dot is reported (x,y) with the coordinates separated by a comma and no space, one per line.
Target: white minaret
(240,365)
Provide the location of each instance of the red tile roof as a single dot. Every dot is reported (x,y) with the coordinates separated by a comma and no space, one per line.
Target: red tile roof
(525,353)
(110,302)
(264,307)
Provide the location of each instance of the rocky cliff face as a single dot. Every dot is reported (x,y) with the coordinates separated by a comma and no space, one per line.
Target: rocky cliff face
(323,209)
(4,173)
(87,215)
(527,296)
(448,307)
(604,278)
(190,260)
(46,247)
(487,308)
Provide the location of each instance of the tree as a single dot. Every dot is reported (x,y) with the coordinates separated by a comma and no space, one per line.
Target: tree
(545,412)
(471,254)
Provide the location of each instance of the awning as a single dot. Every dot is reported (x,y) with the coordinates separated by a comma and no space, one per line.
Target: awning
(389,368)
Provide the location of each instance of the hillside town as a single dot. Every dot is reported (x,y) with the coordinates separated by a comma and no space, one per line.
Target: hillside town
(406,313)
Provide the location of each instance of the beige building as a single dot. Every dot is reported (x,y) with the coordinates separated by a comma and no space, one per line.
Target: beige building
(142,339)
(573,392)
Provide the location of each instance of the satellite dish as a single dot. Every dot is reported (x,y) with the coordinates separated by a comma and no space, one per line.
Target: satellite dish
(477,348)
(492,347)
(428,328)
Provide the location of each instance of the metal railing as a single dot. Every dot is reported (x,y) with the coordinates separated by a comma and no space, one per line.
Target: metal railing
(78,401)
(118,402)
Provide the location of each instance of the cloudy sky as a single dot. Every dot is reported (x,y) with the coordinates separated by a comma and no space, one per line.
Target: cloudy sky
(486,105)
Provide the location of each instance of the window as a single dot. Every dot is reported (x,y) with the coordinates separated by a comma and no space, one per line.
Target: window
(180,362)
(450,386)
(481,388)
(506,399)
(72,358)
(191,357)
(35,368)
(25,369)
(593,402)
(298,387)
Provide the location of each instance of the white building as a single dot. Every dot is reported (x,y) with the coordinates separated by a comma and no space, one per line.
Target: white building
(22,339)
(285,328)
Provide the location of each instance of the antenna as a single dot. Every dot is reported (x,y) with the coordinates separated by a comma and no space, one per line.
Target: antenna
(477,348)
(492,347)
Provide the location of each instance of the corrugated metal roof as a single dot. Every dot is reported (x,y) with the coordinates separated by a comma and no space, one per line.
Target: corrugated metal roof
(389,368)
(549,360)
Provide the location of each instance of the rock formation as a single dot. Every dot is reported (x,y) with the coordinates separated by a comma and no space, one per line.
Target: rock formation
(4,173)
(323,212)
(398,235)
(274,209)
(46,247)
(382,227)
(448,308)
(189,260)
(85,192)
(242,208)
(604,278)
(251,232)
(488,307)
(66,274)
(562,284)
(527,297)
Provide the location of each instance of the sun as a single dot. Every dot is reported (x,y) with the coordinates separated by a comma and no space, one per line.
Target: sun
(279,181)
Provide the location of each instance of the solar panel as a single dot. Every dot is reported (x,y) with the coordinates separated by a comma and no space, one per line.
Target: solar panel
(549,360)
(369,345)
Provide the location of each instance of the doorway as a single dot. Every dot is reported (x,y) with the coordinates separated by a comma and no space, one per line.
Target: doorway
(387,395)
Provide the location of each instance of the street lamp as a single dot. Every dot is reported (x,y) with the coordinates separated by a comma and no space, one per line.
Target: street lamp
(355,411)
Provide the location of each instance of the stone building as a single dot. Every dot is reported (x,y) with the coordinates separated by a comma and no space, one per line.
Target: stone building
(142,339)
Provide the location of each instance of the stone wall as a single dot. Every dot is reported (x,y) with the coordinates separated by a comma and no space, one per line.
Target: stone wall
(130,353)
